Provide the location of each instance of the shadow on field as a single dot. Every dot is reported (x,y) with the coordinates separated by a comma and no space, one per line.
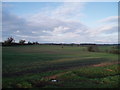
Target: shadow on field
(58,66)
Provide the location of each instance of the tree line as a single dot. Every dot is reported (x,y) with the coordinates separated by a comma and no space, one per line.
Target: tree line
(90,47)
(11,41)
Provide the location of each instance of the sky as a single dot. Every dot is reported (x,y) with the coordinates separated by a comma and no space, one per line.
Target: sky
(61,22)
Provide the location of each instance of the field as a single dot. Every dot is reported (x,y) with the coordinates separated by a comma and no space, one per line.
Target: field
(71,66)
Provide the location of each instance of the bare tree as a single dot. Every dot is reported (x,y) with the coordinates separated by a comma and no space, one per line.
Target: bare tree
(9,41)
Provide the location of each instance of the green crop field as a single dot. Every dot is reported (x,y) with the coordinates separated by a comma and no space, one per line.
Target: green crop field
(31,66)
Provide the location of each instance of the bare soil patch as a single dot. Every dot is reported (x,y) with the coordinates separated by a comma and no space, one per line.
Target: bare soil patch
(105,64)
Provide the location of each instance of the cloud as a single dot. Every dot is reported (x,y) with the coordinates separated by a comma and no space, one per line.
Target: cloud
(41,28)
(105,29)
(57,30)
(109,19)
(59,25)
(63,11)
(69,11)
(106,26)
(106,32)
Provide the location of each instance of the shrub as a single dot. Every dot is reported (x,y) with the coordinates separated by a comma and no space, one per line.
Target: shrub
(36,43)
(115,51)
(30,43)
(22,42)
(93,48)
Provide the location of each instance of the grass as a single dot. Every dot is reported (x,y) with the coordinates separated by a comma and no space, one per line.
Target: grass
(91,77)
(28,66)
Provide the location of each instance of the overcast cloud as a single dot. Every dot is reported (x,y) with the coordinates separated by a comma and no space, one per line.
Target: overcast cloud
(59,25)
